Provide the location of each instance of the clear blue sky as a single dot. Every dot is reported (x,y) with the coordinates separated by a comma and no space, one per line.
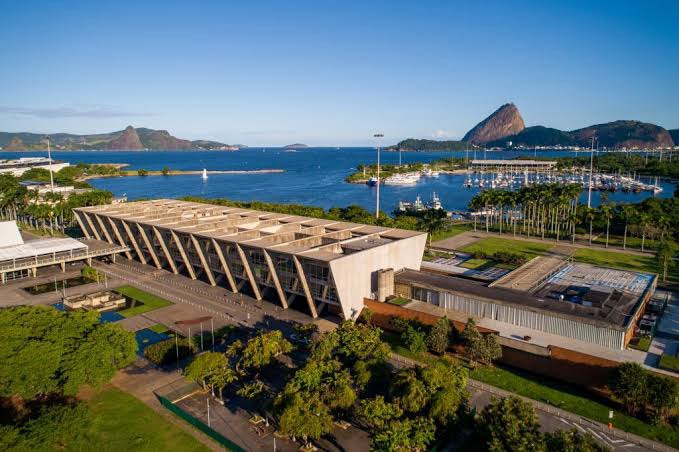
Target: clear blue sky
(333,73)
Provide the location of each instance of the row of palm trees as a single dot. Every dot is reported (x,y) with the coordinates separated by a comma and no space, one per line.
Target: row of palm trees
(552,210)
(49,211)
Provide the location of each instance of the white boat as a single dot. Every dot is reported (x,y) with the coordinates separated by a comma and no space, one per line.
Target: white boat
(402,179)
(372,181)
(204,176)
(435,202)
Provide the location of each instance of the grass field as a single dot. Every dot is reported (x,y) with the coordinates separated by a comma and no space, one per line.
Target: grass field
(642,344)
(398,301)
(151,302)
(451,232)
(120,422)
(492,245)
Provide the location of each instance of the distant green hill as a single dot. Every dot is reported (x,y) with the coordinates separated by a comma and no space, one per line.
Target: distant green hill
(130,138)
(537,136)
(412,144)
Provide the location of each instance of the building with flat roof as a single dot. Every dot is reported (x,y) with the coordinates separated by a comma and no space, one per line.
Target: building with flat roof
(19,166)
(19,258)
(579,301)
(512,165)
(311,263)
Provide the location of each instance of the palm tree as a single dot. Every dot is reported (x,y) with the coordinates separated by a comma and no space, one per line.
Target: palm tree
(644,222)
(432,222)
(590,214)
(606,211)
(628,212)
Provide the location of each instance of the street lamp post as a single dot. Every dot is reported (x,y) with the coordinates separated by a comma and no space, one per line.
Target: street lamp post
(49,157)
(377,209)
(591,167)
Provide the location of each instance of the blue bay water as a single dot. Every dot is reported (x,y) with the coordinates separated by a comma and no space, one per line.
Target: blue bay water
(313,176)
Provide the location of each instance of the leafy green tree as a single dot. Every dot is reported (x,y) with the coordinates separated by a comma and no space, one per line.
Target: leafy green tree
(404,435)
(414,340)
(432,222)
(510,425)
(262,349)
(46,351)
(665,257)
(367,315)
(572,441)
(338,392)
(661,395)
(480,348)
(142,172)
(165,171)
(304,417)
(212,370)
(438,337)
(409,391)
(377,413)
(628,383)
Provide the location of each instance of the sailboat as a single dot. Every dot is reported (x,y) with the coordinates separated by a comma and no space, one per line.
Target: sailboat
(204,176)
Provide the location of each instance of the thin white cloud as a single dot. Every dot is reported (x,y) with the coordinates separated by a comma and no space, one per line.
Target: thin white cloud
(70,112)
(441,134)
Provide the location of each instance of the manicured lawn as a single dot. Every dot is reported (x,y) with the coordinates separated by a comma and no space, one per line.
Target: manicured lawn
(572,399)
(159,328)
(642,343)
(492,245)
(151,302)
(451,232)
(669,362)
(474,264)
(120,422)
(398,301)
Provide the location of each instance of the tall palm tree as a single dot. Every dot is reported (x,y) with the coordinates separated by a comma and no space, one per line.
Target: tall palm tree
(606,212)
(628,212)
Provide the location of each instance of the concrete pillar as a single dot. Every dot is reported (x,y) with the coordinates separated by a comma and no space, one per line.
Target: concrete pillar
(225,266)
(305,287)
(385,283)
(63,266)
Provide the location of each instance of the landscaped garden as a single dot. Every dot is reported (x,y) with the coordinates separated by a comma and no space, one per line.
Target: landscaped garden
(149,301)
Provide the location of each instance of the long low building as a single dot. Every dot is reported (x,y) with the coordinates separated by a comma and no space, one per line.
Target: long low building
(310,263)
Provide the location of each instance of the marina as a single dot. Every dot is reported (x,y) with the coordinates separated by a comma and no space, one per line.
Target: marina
(311,176)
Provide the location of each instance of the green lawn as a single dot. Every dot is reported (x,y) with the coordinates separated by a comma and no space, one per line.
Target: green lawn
(571,399)
(492,245)
(450,232)
(159,328)
(151,302)
(669,362)
(120,422)
(642,343)
(398,301)
(474,264)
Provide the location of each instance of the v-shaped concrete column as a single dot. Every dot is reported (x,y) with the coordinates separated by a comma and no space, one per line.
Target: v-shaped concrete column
(185,258)
(225,266)
(166,251)
(203,261)
(149,246)
(302,279)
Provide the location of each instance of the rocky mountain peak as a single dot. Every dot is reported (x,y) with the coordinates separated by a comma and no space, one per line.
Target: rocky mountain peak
(127,140)
(503,122)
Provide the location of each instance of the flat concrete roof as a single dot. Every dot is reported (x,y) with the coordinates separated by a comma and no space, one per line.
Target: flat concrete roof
(316,238)
(615,315)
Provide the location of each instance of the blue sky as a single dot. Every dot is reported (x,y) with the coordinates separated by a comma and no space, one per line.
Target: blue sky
(333,72)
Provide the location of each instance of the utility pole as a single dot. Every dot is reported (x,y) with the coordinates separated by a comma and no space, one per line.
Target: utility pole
(379,136)
(49,157)
(591,166)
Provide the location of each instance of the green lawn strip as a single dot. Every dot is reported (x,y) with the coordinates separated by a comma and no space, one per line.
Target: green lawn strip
(394,341)
(398,301)
(669,362)
(150,301)
(572,399)
(121,422)
(492,245)
(159,328)
(642,344)
(475,264)
(450,232)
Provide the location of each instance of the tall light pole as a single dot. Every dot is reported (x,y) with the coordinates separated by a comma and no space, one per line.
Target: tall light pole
(379,137)
(49,157)
(591,167)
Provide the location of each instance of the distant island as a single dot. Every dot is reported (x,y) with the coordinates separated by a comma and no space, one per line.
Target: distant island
(128,139)
(505,129)
(412,144)
(296,146)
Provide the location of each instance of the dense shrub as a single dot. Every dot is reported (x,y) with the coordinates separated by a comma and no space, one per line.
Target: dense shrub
(165,352)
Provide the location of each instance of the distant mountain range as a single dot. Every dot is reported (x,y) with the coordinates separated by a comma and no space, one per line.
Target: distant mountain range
(128,139)
(505,126)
